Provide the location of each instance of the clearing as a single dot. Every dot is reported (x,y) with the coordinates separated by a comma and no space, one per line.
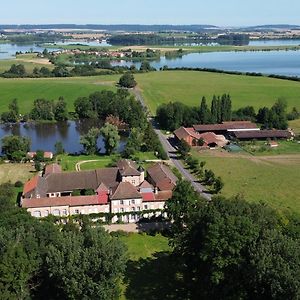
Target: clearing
(16,172)
(272,179)
(26,90)
(189,87)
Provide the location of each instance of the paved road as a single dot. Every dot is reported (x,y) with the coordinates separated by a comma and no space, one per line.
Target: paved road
(171,152)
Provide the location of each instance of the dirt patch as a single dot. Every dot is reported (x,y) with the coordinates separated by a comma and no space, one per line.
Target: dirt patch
(104,83)
(40,61)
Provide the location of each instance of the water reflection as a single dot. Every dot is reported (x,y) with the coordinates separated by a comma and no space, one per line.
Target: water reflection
(44,136)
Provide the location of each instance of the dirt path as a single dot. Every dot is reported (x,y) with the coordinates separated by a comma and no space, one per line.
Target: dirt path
(78,165)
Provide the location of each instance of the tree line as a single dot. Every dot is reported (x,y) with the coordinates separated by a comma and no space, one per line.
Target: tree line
(175,114)
(232,249)
(40,260)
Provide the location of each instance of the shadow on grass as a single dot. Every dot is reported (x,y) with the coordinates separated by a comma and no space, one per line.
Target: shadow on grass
(154,278)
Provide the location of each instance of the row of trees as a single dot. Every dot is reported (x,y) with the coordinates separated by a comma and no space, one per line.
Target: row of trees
(175,114)
(40,260)
(232,249)
(206,176)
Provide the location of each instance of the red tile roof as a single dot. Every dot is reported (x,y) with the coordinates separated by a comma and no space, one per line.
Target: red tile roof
(225,126)
(163,195)
(31,184)
(53,168)
(183,133)
(65,201)
(263,134)
(125,190)
(148,197)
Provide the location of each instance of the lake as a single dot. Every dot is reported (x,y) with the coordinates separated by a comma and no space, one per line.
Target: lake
(266,62)
(44,136)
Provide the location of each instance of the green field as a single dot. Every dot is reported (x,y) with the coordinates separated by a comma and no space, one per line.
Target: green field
(150,273)
(189,87)
(27,90)
(272,179)
(16,172)
(295,125)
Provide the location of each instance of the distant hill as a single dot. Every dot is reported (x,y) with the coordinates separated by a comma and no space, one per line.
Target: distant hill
(120,27)
(272,27)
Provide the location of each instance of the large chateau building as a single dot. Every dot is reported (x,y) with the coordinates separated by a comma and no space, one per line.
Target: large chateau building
(120,189)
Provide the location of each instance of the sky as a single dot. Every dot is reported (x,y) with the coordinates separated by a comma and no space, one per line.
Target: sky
(218,12)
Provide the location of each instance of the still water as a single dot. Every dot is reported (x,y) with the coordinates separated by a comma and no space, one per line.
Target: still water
(266,62)
(44,136)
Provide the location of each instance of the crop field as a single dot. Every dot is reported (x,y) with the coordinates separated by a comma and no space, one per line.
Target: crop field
(16,172)
(189,87)
(272,179)
(27,90)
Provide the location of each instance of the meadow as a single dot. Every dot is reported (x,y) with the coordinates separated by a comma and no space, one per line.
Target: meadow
(271,179)
(26,90)
(189,87)
(16,172)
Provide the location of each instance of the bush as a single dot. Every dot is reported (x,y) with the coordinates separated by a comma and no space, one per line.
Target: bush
(18,184)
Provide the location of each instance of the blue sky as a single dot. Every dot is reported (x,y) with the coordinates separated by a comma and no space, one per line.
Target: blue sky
(218,12)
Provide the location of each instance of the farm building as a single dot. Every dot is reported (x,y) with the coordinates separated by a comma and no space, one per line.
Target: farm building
(262,134)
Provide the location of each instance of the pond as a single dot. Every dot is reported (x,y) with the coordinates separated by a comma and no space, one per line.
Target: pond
(44,136)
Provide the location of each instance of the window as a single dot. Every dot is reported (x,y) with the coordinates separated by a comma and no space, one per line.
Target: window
(139,208)
(46,213)
(133,182)
(132,217)
(64,212)
(56,212)
(122,210)
(77,211)
(133,208)
(133,201)
(122,202)
(145,206)
(37,214)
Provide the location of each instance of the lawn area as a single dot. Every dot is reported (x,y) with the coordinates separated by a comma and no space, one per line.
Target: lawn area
(189,87)
(295,125)
(272,179)
(27,90)
(151,272)
(68,162)
(261,148)
(16,172)
(144,246)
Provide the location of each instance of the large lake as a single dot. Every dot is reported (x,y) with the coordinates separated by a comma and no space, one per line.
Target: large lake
(267,62)
(44,136)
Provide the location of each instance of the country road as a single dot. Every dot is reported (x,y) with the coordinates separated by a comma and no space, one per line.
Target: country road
(171,152)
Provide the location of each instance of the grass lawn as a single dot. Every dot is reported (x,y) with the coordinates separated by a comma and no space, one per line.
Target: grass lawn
(260,148)
(150,273)
(189,87)
(16,172)
(295,125)
(144,246)
(27,90)
(272,179)
(68,162)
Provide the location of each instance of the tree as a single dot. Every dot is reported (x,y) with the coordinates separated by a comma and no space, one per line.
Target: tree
(59,148)
(60,71)
(42,110)
(134,143)
(127,80)
(12,115)
(214,110)
(61,110)
(111,137)
(204,113)
(183,148)
(102,263)
(183,202)
(231,249)
(89,141)
(145,67)
(84,108)
(14,143)
(218,185)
